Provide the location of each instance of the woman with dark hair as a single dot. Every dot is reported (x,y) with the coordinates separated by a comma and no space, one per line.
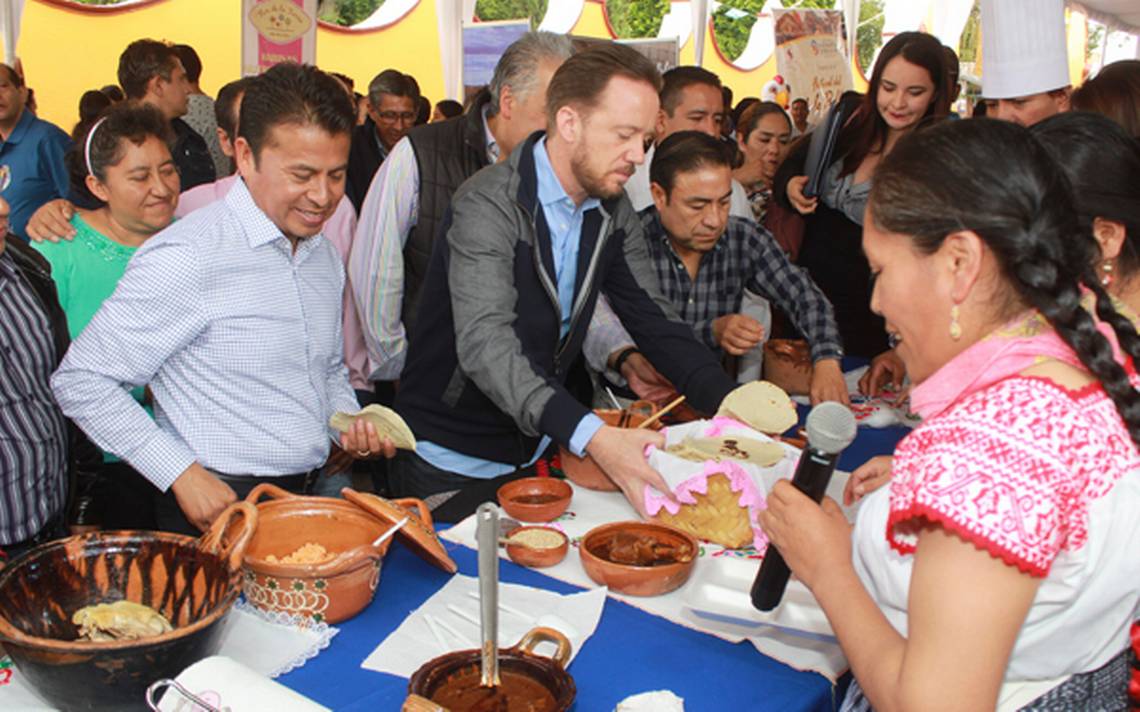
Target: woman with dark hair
(763,133)
(1001,561)
(1103,164)
(1115,93)
(446,109)
(92,104)
(907,87)
(122,162)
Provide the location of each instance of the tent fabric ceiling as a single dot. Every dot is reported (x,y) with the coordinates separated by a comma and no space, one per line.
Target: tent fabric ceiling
(1120,14)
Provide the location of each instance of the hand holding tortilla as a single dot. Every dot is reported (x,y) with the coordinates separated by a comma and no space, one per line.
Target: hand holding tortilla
(387,422)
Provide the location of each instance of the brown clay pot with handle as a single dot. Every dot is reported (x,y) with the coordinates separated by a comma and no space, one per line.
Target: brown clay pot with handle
(326,591)
(583,471)
(452,681)
(191,582)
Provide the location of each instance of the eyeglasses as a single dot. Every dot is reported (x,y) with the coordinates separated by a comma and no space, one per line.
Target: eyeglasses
(394,116)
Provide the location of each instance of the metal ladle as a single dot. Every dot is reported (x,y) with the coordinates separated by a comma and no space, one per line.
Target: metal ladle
(487,536)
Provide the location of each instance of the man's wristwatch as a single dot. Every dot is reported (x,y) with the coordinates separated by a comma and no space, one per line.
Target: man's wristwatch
(623,357)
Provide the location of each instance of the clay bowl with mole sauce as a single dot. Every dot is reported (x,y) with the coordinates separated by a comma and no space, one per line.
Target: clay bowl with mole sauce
(190,582)
(535,499)
(537,547)
(529,682)
(657,558)
(583,471)
(332,589)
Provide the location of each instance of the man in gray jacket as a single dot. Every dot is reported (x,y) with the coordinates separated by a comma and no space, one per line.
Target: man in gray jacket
(530,244)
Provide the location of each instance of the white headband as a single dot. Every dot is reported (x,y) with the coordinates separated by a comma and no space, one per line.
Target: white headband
(87,146)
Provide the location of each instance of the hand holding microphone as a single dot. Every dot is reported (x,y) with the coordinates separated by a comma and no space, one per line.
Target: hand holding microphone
(830,429)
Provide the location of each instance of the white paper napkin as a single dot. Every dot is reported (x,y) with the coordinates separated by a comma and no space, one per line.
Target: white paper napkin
(448,621)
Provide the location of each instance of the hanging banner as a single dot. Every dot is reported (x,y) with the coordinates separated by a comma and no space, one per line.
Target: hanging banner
(483,44)
(811,58)
(275,31)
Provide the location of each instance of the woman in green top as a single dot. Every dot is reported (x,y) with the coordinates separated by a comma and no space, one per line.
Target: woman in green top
(122,162)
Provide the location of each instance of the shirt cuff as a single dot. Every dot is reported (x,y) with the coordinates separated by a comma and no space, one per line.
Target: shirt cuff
(585,431)
(162,460)
(826,350)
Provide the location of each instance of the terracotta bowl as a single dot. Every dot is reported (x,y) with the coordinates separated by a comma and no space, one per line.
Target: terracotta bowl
(535,557)
(535,499)
(638,580)
(192,582)
(583,471)
(442,679)
(329,591)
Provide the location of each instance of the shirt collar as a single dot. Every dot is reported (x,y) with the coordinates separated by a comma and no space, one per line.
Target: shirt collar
(258,228)
(492,145)
(550,190)
(7,265)
(21,127)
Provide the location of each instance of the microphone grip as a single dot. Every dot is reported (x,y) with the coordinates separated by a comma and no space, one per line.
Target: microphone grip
(813,473)
(768,588)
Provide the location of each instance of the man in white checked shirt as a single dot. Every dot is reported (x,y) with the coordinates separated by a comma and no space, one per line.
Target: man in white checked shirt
(233,317)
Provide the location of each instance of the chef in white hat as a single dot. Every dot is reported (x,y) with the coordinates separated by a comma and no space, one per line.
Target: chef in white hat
(1025,64)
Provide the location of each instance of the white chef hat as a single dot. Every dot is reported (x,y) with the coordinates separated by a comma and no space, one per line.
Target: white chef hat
(1024,50)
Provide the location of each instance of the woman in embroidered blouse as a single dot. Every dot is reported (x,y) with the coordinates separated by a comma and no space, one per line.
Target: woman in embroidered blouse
(122,161)
(1004,549)
(907,87)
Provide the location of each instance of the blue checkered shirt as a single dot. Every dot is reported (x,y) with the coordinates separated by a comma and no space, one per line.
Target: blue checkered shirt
(239,338)
(745,257)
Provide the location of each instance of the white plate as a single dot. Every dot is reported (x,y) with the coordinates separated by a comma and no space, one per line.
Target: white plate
(720,597)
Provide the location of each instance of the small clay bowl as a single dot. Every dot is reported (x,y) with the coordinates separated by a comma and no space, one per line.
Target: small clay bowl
(537,557)
(535,499)
(638,580)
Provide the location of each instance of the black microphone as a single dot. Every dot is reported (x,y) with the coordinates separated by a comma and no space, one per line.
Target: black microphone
(830,428)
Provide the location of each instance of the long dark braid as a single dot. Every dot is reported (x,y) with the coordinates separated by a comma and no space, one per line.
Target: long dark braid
(946,179)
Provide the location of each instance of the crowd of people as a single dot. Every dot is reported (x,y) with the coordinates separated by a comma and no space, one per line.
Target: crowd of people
(190,288)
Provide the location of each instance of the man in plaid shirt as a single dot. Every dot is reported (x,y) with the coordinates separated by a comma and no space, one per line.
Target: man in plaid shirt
(705,259)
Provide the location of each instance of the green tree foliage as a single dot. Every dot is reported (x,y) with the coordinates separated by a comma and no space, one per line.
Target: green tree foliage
(347,13)
(869,35)
(971,36)
(733,21)
(493,10)
(632,19)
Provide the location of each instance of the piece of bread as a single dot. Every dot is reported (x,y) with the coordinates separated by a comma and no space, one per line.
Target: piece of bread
(761,405)
(716,516)
(387,422)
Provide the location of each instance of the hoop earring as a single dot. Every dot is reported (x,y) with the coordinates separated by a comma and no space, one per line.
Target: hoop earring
(1106,268)
(955,327)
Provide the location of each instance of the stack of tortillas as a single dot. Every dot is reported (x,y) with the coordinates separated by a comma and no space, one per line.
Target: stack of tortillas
(721,499)
(760,405)
(387,422)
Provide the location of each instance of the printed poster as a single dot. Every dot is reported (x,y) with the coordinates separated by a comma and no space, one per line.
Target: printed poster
(275,31)
(811,57)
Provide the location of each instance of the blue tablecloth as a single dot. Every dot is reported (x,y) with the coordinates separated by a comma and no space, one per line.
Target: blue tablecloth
(630,652)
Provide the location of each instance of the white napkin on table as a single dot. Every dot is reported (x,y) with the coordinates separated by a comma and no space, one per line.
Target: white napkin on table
(454,611)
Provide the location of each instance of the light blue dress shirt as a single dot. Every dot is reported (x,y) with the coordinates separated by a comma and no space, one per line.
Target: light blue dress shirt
(564,221)
(239,338)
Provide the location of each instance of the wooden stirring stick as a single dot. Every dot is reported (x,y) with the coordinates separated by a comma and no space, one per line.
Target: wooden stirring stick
(663,411)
